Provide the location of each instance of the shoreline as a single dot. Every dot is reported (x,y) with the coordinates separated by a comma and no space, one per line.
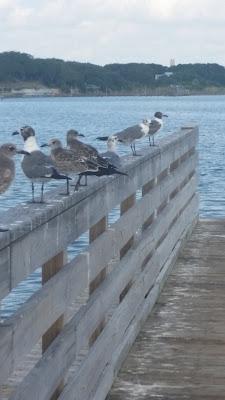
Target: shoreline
(111,95)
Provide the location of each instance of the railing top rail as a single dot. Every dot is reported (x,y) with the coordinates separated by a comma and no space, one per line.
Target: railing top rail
(25,217)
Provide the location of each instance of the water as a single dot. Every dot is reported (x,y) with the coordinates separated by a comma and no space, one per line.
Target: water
(103,116)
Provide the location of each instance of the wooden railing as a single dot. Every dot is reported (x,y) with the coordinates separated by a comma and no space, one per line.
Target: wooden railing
(89,310)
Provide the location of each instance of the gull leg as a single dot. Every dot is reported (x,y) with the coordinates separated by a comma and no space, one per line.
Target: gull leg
(82,184)
(42,192)
(67,188)
(131,146)
(32,187)
(78,183)
(154,141)
(149,139)
(134,151)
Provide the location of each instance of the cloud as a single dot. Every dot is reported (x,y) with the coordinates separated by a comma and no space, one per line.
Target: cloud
(104,31)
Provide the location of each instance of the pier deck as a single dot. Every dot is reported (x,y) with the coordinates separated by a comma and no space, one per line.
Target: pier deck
(180,351)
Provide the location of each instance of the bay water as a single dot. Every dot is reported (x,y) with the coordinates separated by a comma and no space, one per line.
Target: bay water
(101,116)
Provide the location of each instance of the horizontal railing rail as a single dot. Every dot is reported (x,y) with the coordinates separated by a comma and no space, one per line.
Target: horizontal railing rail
(89,310)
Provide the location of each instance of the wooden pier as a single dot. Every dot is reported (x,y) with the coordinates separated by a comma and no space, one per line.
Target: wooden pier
(69,339)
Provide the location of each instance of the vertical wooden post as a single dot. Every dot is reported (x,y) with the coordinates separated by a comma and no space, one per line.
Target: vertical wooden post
(124,207)
(127,203)
(49,269)
(95,231)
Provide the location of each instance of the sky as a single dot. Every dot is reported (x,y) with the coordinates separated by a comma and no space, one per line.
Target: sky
(108,31)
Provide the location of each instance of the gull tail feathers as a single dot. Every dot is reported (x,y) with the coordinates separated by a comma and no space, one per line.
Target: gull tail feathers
(56,175)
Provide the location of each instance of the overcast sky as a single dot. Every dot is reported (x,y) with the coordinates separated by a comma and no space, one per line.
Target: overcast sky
(107,31)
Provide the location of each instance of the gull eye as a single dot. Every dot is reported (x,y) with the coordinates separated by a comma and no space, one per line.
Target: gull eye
(11,148)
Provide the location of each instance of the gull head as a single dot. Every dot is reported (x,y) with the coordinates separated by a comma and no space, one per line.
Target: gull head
(73,134)
(160,115)
(26,132)
(146,122)
(53,144)
(112,143)
(10,150)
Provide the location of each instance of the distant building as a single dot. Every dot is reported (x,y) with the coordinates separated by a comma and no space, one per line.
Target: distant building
(164,75)
(172,62)
(44,91)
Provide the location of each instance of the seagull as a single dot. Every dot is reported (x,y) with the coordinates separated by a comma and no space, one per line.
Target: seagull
(155,125)
(88,152)
(129,135)
(7,166)
(111,154)
(84,150)
(37,166)
(69,162)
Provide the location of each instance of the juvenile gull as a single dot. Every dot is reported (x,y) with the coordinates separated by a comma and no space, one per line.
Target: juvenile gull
(37,167)
(84,150)
(7,166)
(155,125)
(69,162)
(88,152)
(129,135)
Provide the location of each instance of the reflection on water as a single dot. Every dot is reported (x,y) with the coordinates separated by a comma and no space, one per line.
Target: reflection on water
(103,116)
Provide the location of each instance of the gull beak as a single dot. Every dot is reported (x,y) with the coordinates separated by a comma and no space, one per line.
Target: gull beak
(15,133)
(164,115)
(45,145)
(103,138)
(81,134)
(23,152)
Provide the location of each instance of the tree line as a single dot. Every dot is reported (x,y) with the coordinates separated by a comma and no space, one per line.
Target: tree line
(66,75)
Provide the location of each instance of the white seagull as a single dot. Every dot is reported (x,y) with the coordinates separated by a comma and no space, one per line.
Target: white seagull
(129,135)
(155,125)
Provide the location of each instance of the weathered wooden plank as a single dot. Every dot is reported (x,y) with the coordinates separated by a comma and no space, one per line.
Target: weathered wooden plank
(66,219)
(126,205)
(4,238)
(4,272)
(44,308)
(94,232)
(190,352)
(101,252)
(49,269)
(6,348)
